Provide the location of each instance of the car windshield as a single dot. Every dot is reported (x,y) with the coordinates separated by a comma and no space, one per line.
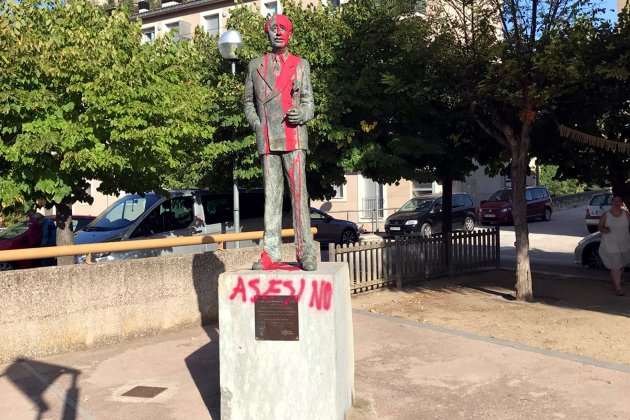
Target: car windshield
(122,213)
(14,231)
(601,200)
(502,195)
(416,204)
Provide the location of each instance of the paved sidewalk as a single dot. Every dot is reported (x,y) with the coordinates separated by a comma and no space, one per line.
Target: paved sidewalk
(404,370)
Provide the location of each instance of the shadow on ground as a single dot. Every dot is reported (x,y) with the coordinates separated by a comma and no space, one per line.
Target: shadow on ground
(590,294)
(203,364)
(33,378)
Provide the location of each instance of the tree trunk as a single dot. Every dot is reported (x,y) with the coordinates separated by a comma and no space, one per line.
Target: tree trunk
(65,236)
(447,218)
(520,161)
(447,205)
(619,181)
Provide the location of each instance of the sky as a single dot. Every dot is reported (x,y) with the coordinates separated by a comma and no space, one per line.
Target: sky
(610,15)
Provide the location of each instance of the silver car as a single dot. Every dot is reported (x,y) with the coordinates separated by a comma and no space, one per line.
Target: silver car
(182,213)
(587,251)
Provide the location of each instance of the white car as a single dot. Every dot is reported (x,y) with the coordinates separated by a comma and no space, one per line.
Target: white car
(600,203)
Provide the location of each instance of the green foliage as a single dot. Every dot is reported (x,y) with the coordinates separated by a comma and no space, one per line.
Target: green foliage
(399,84)
(596,104)
(82,99)
(550,179)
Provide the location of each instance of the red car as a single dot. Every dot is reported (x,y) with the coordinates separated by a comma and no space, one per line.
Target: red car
(17,237)
(498,208)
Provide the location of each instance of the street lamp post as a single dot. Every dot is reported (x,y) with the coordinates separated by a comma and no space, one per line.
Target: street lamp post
(229,41)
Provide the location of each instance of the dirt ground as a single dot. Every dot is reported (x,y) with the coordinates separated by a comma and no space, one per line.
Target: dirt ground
(573,315)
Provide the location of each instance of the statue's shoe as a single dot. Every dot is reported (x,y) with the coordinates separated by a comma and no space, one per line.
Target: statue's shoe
(308,263)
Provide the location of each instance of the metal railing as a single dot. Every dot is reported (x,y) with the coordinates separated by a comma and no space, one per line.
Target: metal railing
(89,249)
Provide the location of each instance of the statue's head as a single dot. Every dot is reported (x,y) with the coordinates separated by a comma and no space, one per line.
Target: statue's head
(279,31)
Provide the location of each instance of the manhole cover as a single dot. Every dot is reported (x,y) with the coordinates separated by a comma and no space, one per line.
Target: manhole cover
(144,391)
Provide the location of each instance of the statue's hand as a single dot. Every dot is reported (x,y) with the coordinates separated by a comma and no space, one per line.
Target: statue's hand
(294,116)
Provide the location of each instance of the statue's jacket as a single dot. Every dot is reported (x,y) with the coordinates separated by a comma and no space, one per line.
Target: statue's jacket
(267,98)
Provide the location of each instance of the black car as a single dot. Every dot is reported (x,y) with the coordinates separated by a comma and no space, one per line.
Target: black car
(333,230)
(424,215)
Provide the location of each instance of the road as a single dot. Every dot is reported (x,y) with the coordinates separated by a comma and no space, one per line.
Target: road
(551,244)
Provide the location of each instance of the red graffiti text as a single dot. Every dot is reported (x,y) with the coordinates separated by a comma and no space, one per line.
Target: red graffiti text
(250,291)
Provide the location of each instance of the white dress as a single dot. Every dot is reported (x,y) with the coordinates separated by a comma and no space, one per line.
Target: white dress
(614,249)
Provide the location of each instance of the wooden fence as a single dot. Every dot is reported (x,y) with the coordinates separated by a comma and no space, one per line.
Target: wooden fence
(410,259)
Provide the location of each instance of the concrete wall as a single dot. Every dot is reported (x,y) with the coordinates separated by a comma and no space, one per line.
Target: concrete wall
(570,201)
(51,310)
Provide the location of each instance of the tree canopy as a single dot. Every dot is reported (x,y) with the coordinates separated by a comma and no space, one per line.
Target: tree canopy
(596,105)
(81,98)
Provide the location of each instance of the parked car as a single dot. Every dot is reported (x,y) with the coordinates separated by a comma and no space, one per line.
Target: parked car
(498,208)
(599,204)
(182,213)
(587,251)
(190,213)
(16,237)
(424,215)
(333,230)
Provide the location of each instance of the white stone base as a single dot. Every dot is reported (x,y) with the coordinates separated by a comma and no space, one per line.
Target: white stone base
(311,378)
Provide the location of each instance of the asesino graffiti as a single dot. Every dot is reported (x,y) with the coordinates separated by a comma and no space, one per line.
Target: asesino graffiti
(318,292)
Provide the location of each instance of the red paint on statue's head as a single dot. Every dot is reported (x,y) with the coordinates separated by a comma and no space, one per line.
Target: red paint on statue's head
(282,22)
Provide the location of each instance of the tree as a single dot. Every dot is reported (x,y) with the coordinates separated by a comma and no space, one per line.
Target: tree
(515,71)
(82,99)
(405,102)
(596,106)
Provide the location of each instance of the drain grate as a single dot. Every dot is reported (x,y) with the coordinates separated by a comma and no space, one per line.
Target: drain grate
(144,391)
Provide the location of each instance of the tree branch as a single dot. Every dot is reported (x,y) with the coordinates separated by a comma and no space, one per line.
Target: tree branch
(492,132)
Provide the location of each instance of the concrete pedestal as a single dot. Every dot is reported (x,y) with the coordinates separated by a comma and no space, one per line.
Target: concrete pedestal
(309,377)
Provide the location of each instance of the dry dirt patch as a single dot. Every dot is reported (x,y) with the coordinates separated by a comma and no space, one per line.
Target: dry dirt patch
(577,316)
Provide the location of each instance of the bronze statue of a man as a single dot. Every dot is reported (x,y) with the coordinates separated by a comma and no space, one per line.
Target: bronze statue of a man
(278,102)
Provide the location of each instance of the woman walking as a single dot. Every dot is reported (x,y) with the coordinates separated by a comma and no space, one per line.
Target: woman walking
(614,249)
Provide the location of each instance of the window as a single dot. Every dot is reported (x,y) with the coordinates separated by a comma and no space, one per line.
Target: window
(124,213)
(171,215)
(339,192)
(217,209)
(467,201)
(270,8)
(528,195)
(370,192)
(211,24)
(148,35)
(601,200)
(315,215)
(172,26)
(423,188)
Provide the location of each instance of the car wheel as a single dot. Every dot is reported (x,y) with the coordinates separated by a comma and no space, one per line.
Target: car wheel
(348,236)
(591,228)
(591,258)
(469,224)
(426,230)
(547,215)
(6,266)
